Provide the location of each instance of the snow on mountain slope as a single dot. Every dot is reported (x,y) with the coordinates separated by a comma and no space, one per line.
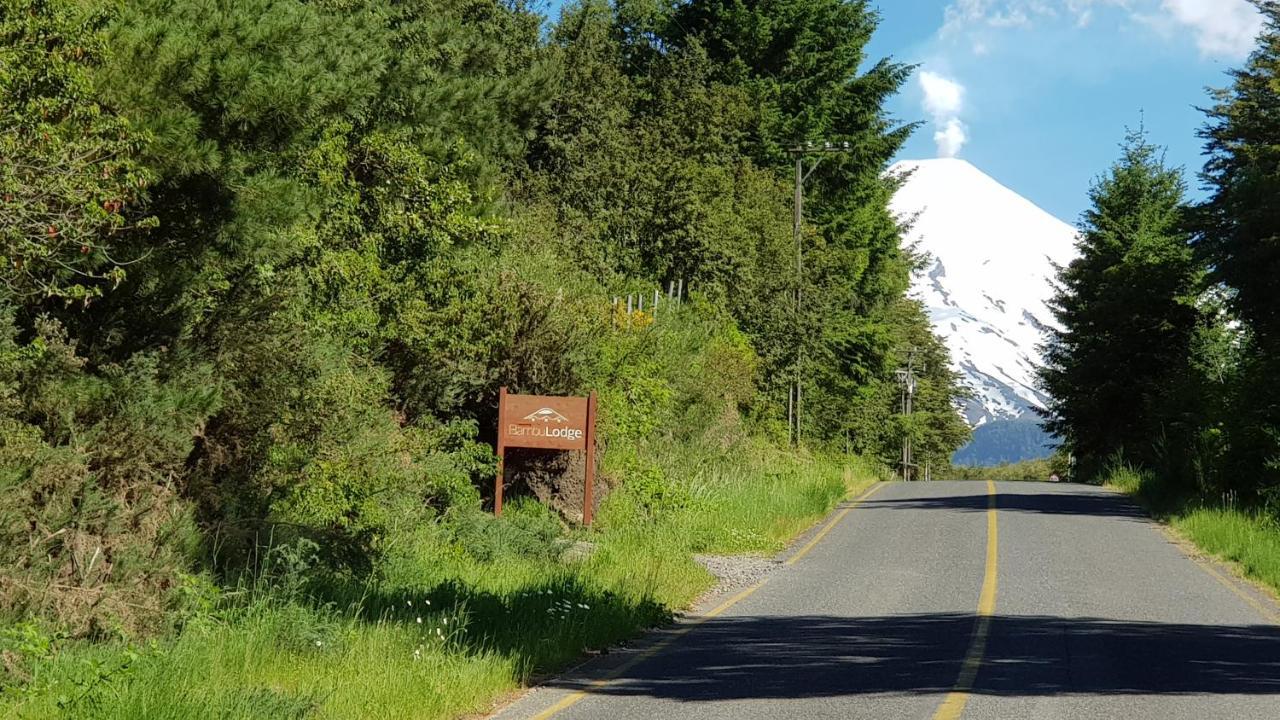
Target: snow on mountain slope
(988,276)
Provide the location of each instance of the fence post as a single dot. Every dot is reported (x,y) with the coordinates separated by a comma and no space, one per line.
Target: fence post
(502,453)
(657,295)
(680,292)
(588,489)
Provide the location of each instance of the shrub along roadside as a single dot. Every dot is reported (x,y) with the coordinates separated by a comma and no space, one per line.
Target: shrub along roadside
(1249,538)
(447,628)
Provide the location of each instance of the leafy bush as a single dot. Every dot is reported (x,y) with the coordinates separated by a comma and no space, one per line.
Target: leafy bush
(93,529)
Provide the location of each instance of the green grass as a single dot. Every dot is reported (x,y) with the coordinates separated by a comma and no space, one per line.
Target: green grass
(442,634)
(1250,539)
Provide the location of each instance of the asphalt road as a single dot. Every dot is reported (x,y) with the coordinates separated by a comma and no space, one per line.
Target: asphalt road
(948,600)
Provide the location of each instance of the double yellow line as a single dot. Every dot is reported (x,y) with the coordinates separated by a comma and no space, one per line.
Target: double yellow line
(578,696)
(953,705)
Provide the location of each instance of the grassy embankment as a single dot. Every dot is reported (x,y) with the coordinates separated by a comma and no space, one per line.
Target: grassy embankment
(445,632)
(1248,538)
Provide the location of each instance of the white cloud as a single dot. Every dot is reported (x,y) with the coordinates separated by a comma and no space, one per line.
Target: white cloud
(950,138)
(942,96)
(965,14)
(1223,27)
(944,99)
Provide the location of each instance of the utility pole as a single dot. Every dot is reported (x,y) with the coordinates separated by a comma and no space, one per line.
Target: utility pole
(802,174)
(907,379)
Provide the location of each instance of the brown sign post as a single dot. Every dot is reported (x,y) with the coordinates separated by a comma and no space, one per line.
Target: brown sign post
(547,423)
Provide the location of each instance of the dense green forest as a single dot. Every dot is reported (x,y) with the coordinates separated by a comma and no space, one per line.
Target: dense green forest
(267,263)
(1166,362)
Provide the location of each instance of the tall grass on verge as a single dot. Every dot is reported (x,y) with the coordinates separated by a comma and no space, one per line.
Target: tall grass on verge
(469,610)
(1248,537)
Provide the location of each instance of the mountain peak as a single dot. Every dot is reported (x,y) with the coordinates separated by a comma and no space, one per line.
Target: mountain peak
(938,162)
(937,166)
(988,277)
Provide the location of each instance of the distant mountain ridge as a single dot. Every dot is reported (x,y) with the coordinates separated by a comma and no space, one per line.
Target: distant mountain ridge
(989,276)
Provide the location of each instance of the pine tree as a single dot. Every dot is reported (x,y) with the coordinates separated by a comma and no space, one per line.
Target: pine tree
(1126,307)
(1240,239)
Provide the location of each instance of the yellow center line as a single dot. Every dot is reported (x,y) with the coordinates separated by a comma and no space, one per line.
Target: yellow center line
(953,706)
(578,696)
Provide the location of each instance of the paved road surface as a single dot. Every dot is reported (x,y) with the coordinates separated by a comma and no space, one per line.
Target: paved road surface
(924,602)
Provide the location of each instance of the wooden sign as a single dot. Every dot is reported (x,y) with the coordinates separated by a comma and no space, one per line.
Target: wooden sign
(548,423)
(540,421)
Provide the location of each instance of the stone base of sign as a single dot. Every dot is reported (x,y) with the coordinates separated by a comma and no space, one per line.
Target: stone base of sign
(578,551)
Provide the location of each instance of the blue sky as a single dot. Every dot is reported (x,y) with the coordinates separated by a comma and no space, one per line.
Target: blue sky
(1037,93)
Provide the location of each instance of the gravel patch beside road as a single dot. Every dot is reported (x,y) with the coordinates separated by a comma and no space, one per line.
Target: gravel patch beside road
(736,571)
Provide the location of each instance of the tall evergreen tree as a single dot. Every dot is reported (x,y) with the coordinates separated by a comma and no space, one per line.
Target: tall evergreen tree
(1126,306)
(1240,238)
(805,65)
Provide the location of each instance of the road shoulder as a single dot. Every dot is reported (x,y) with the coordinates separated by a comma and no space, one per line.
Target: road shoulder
(1259,596)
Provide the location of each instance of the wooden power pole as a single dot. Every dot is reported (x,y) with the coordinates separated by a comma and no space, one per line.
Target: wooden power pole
(907,379)
(802,174)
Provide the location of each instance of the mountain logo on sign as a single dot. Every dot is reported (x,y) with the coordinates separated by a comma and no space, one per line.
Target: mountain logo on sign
(546,415)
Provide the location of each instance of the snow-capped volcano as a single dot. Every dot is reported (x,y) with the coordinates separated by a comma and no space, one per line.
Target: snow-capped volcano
(987,279)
